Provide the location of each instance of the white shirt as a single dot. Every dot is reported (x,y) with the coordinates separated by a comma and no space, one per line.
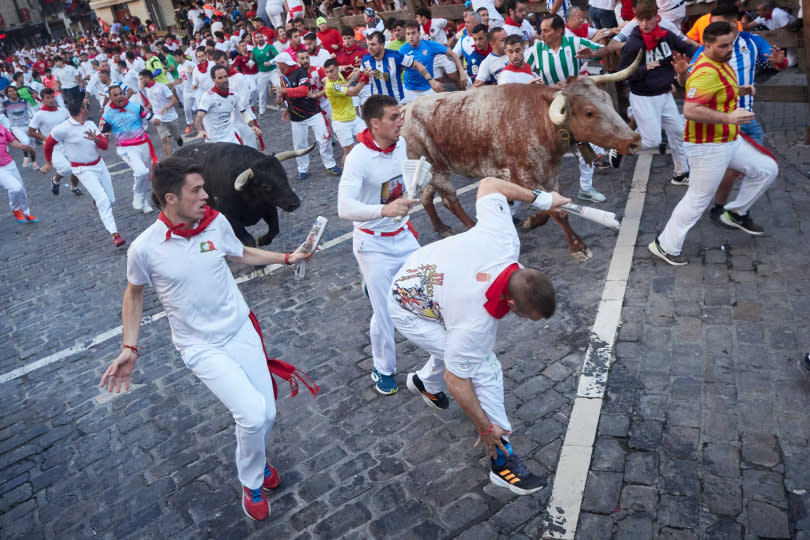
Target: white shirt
(159,97)
(370,180)
(491,67)
(603,4)
(186,72)
(192,280)
(494,14)
(779,19)
(203,81)
(317,60)
(666,24)
(436,34)
(45,121)
(525,30)
(71,134)
(507,76)
(66,76)
(446,282)
(218,119)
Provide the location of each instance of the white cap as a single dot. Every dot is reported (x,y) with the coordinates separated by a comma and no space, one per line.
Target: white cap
(284,58)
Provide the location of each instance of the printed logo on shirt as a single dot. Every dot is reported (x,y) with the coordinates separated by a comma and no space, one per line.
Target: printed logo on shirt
(391,190)
(691,93)
(482,277)
(206,246)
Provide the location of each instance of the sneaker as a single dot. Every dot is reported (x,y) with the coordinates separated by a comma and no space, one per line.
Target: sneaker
(662,148)
(188,130)
(680,179)
(514,476)
(31,219)
(804,366)
(591,195)
(615,158)
(303,175)
(137,202)
(35,165)
(337,171)
(271,478)
(744,223)
(147,209)
(437,401)
(54,187)
(714,214)
(675,260)
(117,240)
(19,216)
(385,384)
(255,504)
(179,141)
(26,162)
(76,191)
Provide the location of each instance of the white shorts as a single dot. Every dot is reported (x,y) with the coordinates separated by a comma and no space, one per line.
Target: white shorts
(21,134)
(442,65)
(346,131)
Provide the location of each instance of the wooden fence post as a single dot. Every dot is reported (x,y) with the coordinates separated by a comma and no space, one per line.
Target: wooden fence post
(806,49)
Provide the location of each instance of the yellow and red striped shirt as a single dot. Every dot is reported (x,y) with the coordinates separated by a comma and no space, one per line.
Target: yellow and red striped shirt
(714,85)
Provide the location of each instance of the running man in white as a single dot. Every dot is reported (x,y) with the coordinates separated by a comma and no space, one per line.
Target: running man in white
(447,299)
(45,119)
(11,180)
(217,335)
(216,110)
(82,140)
(371,194)
(162,100)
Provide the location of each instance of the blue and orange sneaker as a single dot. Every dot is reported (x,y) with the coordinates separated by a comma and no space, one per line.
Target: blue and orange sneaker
(271,477)
(385,384)
(255,504)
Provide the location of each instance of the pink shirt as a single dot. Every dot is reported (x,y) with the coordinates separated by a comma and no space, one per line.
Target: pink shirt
(5,137)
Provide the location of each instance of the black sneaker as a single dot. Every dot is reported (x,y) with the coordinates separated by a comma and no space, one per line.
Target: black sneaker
(804,366)
(744,223)
(54,187)
(662,148)
(675,260)
(514,476)
(76,191)
(680,179)
(437,401)
(615,158)
(179,141)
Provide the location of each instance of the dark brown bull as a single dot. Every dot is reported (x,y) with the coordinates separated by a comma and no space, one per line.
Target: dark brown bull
(516,132)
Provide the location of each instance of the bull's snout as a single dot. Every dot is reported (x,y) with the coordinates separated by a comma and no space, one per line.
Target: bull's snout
(631,146)
(292,205)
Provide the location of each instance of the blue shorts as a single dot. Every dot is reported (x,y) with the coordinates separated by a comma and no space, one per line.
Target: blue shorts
(753,130)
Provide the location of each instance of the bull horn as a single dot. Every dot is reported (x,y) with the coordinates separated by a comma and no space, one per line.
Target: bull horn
(558,110)
(242,179)
(619,75)
(282,156)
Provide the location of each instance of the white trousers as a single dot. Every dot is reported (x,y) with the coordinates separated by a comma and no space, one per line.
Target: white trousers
(60,161)
(21,134)
(585,170)
(98,183)
(140,161)
(189,105)
(430,336)
(274,11)
(11,180)
(651,114)
(245,133)
(237,374)
(379,259)
(707,164)
(300,137)
(265,80)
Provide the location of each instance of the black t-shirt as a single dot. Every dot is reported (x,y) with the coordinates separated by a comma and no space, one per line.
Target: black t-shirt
(303,107)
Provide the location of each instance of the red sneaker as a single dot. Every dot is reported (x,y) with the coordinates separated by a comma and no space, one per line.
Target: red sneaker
(19,216)
(255,504)
(31,219)
(271,478)
(117,240)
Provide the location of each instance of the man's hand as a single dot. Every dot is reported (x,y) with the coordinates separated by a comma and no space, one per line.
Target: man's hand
(27,148)
(652,65)
(436,85)
(537,80)
(558,200)
(777,57)
(740,116)
(156,121)
(45,168)
(201,134)
(748,90)
(586,53)
(119,371)
(256,130)
(90,135)
(680,62)
(398,207)
(298,255)
(280,90)
(492,441)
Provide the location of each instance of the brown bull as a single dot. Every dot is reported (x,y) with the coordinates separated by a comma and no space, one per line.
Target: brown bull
(516,132)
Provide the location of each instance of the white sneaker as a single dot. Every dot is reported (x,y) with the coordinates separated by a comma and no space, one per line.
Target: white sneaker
(147,209)
(137,202)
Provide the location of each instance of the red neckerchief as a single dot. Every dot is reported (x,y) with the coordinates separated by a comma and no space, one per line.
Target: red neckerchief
(223,93)
(151,83)
(367,139)
(652,38)
(46,108)
(426,27)
(293,68)
(122,107)
(498,292)
(510,21)
(581,32)
(768,16)
(181,229)
(482,53)
(202,67)
(231,71)
(525,68)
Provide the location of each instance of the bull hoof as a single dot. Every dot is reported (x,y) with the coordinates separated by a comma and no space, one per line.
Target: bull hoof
(582,255)
(264,241)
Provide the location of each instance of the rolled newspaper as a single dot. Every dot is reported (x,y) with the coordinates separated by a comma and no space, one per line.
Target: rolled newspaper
(416,174)
(607,219)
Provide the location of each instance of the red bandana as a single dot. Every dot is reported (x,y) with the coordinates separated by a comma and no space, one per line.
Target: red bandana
(426,27)
(510,21)
(498,292)
(202,67)
(181,229)
(651,39)
(482,53)
(525,68)
(366,138)
(223,93)
(581,32)
(231,71)
(151,83)
(46,108)
(122,107)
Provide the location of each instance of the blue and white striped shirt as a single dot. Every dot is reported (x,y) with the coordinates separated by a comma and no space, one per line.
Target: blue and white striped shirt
(749,50)
(386,75)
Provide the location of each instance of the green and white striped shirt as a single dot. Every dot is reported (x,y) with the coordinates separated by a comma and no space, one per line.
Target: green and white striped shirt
(555,66)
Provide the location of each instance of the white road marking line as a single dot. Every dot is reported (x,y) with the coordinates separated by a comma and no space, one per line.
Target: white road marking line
(575,457)
(117,331)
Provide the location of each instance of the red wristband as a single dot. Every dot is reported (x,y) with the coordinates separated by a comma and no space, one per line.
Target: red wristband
(133,348)
(287,258)
(487,432)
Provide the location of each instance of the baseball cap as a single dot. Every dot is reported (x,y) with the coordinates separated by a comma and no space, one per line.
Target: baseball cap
(320,20)
(284,58)
(368,12)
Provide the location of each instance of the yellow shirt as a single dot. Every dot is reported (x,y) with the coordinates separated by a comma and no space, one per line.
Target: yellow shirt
(342,107)
(713,85)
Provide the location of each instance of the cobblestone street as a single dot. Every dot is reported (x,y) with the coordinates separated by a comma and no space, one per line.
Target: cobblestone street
(703,434)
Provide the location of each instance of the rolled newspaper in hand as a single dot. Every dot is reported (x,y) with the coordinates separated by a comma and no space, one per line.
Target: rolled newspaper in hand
(416,174)
(608,219)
